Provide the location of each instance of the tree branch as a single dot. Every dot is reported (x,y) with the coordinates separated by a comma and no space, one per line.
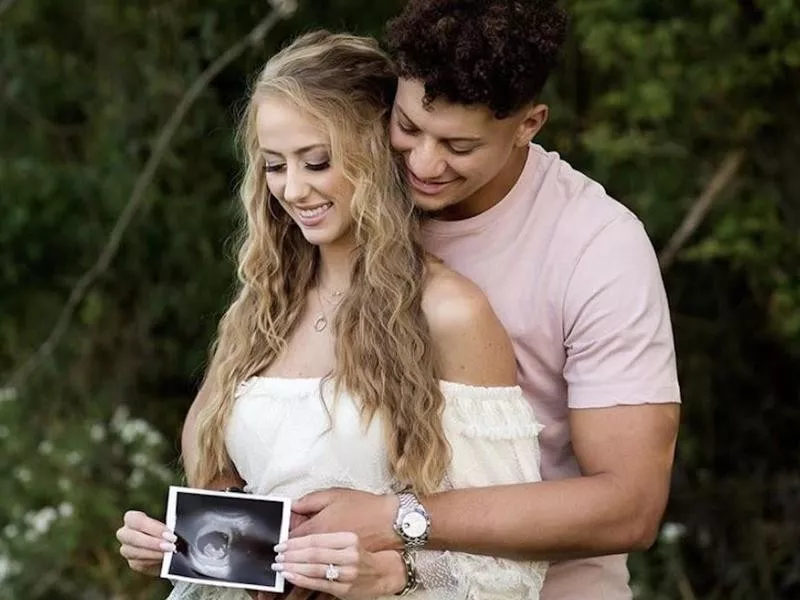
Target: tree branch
(137,197)
(5,5)
(701,206)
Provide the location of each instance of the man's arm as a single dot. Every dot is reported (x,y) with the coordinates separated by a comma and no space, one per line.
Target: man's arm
(625,454)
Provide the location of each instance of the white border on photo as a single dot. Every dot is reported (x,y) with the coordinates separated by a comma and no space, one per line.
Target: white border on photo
(172,518)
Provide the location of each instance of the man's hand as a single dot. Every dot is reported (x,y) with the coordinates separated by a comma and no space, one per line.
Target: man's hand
(369,516)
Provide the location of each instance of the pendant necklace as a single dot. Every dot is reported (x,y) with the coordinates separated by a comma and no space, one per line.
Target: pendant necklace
(321,322)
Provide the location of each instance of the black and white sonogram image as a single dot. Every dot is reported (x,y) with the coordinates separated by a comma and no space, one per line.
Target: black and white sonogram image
(225,539)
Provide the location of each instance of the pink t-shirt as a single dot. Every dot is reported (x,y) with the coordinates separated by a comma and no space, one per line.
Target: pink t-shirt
(573,277)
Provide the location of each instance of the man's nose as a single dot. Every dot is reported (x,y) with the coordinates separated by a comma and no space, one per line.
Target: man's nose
(426,162)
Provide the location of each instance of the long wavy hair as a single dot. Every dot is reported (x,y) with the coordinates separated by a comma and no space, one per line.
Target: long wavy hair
(383,346)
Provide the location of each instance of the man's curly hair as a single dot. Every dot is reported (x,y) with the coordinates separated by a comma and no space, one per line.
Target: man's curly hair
(497,53)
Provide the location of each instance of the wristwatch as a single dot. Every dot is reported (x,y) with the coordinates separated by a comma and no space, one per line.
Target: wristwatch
(412,523)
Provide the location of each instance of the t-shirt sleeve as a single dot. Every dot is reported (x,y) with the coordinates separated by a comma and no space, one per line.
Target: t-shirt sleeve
(617,330)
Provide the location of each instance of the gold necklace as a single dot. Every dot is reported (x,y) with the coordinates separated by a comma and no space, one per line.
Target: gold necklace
(321,322)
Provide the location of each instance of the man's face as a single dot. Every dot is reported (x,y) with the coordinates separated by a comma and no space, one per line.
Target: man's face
(452,153)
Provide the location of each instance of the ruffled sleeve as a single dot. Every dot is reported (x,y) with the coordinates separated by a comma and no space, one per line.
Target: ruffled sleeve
(493,434)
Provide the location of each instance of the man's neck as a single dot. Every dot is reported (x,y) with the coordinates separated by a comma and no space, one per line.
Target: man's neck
(490,194)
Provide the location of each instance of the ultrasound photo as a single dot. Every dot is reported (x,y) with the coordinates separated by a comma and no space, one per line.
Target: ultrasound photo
(225,538)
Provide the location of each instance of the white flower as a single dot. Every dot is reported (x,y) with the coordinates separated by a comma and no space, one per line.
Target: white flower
(24,474)
(672,532)
(10,531)
(7,567)
(66,510)
(139,459)
(163,473)
(97,432)
(73,458)
(136,479)
(46,447)
(120,417)
(39,522)
(153,437)
(4,432)
(7,394)
(64,484)
(133,429)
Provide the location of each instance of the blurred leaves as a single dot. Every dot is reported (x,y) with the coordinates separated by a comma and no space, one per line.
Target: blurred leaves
(653,96)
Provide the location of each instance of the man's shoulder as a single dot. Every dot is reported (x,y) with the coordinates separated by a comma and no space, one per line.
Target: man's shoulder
(579,207)
(573,190)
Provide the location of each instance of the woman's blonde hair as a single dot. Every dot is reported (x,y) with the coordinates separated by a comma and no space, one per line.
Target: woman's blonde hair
(384,355)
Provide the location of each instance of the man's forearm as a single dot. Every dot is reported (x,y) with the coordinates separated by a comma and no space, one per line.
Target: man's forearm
(554,520)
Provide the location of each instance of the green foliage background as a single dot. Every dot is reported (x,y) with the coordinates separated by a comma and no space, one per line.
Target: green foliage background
(651,98)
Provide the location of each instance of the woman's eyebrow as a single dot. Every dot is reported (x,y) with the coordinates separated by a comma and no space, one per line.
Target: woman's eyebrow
(299,151)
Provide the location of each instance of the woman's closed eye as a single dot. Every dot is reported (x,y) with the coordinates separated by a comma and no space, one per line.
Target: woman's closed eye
(318,166)
(311,166)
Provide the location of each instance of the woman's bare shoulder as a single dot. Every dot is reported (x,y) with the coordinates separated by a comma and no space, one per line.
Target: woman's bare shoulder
(470,342)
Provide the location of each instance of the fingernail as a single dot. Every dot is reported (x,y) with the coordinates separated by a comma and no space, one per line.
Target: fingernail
(280,547)
(277,567)
(279,557)
(289,576)
(169,536)
(167,547)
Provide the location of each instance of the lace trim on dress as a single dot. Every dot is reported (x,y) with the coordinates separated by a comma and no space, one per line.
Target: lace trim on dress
(505,414)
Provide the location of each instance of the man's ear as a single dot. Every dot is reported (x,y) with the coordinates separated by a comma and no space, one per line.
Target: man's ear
(532,120)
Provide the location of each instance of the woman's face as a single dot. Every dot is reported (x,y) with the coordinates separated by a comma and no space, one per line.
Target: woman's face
(300,173)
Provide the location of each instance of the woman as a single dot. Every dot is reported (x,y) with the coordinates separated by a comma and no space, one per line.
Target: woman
(349,358)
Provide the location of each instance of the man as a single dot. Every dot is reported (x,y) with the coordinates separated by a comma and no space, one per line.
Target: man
(574,279)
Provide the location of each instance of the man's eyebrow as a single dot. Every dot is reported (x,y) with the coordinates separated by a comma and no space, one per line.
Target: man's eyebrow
(449,139)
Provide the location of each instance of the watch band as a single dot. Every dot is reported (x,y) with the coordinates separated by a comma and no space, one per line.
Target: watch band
(412,523)
(412,583)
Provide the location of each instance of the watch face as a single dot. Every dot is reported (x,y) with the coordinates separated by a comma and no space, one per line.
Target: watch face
(414,525)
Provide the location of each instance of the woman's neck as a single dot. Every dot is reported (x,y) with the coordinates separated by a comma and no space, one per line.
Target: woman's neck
(335,266)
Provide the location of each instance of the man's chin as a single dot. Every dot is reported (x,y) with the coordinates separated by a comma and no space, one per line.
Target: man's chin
(431,204)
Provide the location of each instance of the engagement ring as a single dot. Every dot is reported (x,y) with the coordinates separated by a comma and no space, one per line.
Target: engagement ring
(332,573)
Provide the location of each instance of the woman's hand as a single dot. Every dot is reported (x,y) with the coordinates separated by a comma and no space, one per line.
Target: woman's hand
(360,575)
(144,541)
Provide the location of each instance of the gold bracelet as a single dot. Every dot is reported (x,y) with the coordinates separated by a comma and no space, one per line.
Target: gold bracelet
(409,560)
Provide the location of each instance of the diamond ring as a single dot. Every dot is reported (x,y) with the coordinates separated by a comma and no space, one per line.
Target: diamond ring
(331,573)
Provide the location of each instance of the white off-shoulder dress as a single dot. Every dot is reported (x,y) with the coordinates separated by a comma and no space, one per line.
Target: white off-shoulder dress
(289,437)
